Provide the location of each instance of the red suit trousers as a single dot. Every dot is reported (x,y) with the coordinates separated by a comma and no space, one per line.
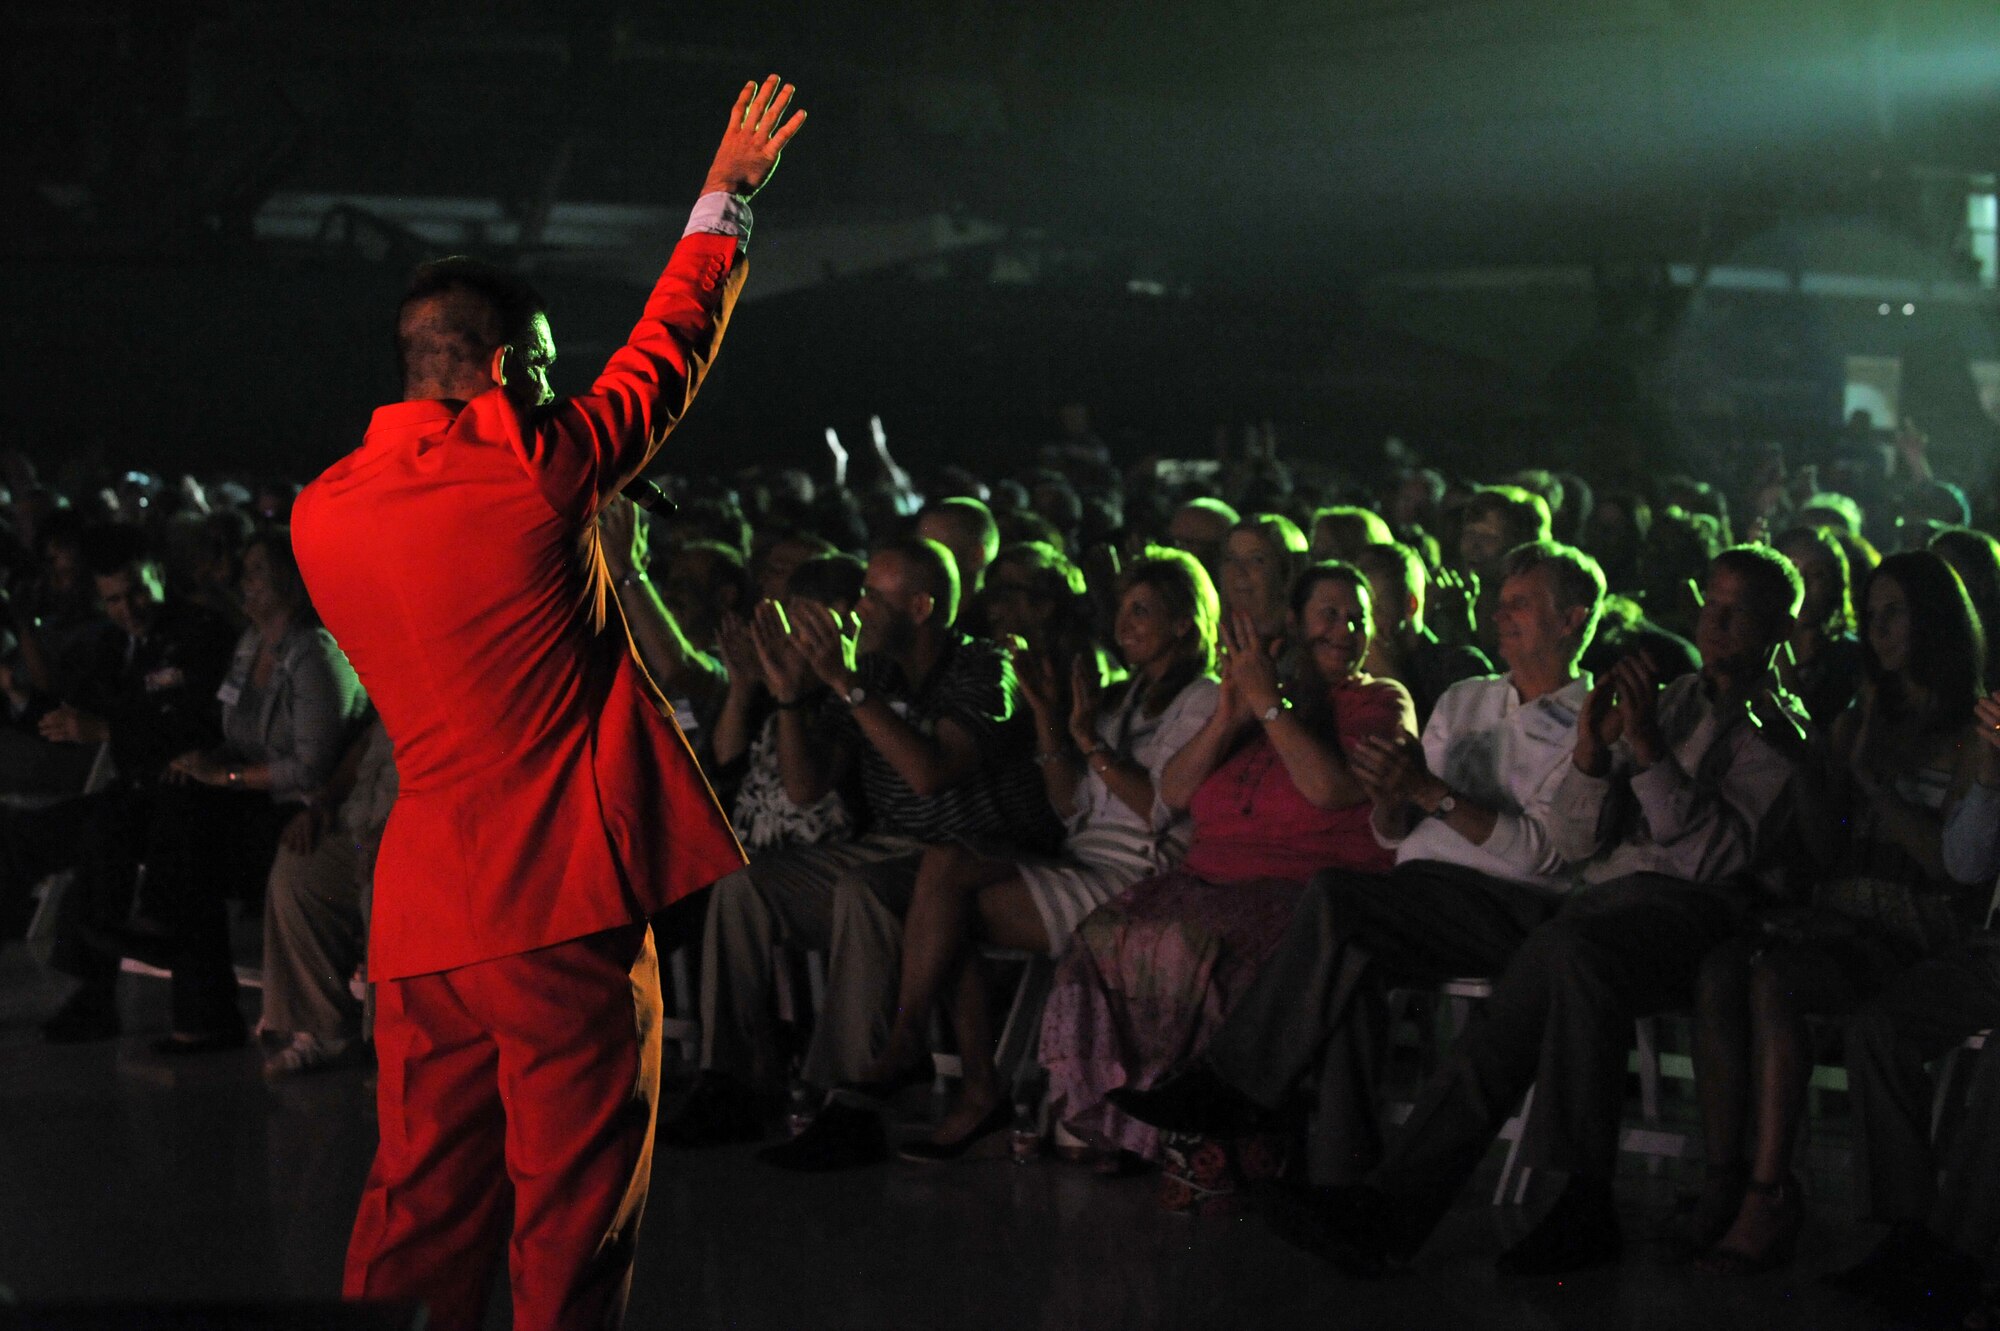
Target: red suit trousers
(521,1089)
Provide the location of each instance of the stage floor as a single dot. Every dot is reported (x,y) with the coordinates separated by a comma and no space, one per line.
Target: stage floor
(127,1176)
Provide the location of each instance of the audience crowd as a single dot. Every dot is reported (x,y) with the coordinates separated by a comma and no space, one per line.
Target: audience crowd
(1238,752)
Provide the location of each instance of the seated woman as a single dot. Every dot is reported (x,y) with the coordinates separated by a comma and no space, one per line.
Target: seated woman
(289,706)
(1152,973)
(1101,760)
(316,911)
(1902,755)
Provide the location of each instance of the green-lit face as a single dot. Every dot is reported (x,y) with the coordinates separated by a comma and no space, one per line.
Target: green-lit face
(528,384)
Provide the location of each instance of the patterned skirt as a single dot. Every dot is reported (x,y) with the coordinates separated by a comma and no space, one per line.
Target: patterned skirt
(1148,979)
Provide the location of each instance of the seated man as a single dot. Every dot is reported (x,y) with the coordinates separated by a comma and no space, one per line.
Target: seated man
(1402,646)
(1495,520)
(1684,796)
(1476,870)
(1930,1263)
(149,691)
(930,717)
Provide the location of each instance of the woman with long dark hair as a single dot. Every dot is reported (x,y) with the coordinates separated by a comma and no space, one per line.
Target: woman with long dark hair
(1903,754)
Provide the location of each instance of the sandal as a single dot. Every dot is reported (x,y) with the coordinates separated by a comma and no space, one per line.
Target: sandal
(1788,1218)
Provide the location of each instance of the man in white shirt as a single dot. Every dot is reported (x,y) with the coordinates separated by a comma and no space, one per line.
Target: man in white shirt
(1476,871)
(1685,795)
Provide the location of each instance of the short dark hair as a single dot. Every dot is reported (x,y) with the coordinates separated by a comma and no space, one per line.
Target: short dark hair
(1330,570)
(972,516)
(1523,513)
(1773,579)
(1400,564)
(937,571)
(1824,545)
(826,579)
(475,307)
(726,569)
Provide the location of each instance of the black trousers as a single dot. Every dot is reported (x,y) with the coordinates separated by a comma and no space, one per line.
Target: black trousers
(199,845)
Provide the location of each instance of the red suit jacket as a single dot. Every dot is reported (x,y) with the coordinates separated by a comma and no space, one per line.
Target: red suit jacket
(546,792)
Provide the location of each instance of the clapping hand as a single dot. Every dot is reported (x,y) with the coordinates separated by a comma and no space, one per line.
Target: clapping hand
(1454,598)
(739,652)
(1086,690)
(1041,688)
(757,134)
(820,639)
(785,672)
(1250,667)
(1394,773)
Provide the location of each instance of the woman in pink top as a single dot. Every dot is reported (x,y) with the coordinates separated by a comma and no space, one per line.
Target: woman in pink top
(1151,974)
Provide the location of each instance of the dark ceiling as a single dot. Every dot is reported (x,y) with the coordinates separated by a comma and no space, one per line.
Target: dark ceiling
(1335,138)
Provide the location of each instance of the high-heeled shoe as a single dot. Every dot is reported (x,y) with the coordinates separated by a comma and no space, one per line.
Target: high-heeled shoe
(927,1151)
(1788,1218)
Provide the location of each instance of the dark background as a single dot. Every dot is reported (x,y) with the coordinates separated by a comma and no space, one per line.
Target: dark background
(1184,214)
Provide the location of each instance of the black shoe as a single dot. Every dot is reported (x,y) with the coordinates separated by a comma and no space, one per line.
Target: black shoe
(1580,1231)
(719,1111)
(1196,1101)
(82,1022)
(208,1042)
(840,1137)
(1352,1228)
(926,1152)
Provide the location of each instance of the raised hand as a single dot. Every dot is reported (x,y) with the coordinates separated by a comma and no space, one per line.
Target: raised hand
(1638,690)
(1987,713)
(785,672)
(739,653)
(1254,666)
(1040,688)
(623,535)
(1598,726)
(1454,599)
(1086,690)
(829,651)
(757,134)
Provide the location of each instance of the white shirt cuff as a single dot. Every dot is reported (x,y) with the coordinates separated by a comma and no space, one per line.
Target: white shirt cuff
(720,213)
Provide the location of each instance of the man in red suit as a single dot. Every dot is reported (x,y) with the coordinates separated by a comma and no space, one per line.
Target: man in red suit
(549,804)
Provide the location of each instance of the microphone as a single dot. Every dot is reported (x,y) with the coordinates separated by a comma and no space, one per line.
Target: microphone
(650,497)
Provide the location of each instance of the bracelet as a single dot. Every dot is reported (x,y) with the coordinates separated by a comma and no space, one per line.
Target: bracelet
(793,705)
(1095,749)
(1044,759)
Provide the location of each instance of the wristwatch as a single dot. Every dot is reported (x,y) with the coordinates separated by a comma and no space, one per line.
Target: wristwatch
(856,696)
(1445,806)
(1276,709)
